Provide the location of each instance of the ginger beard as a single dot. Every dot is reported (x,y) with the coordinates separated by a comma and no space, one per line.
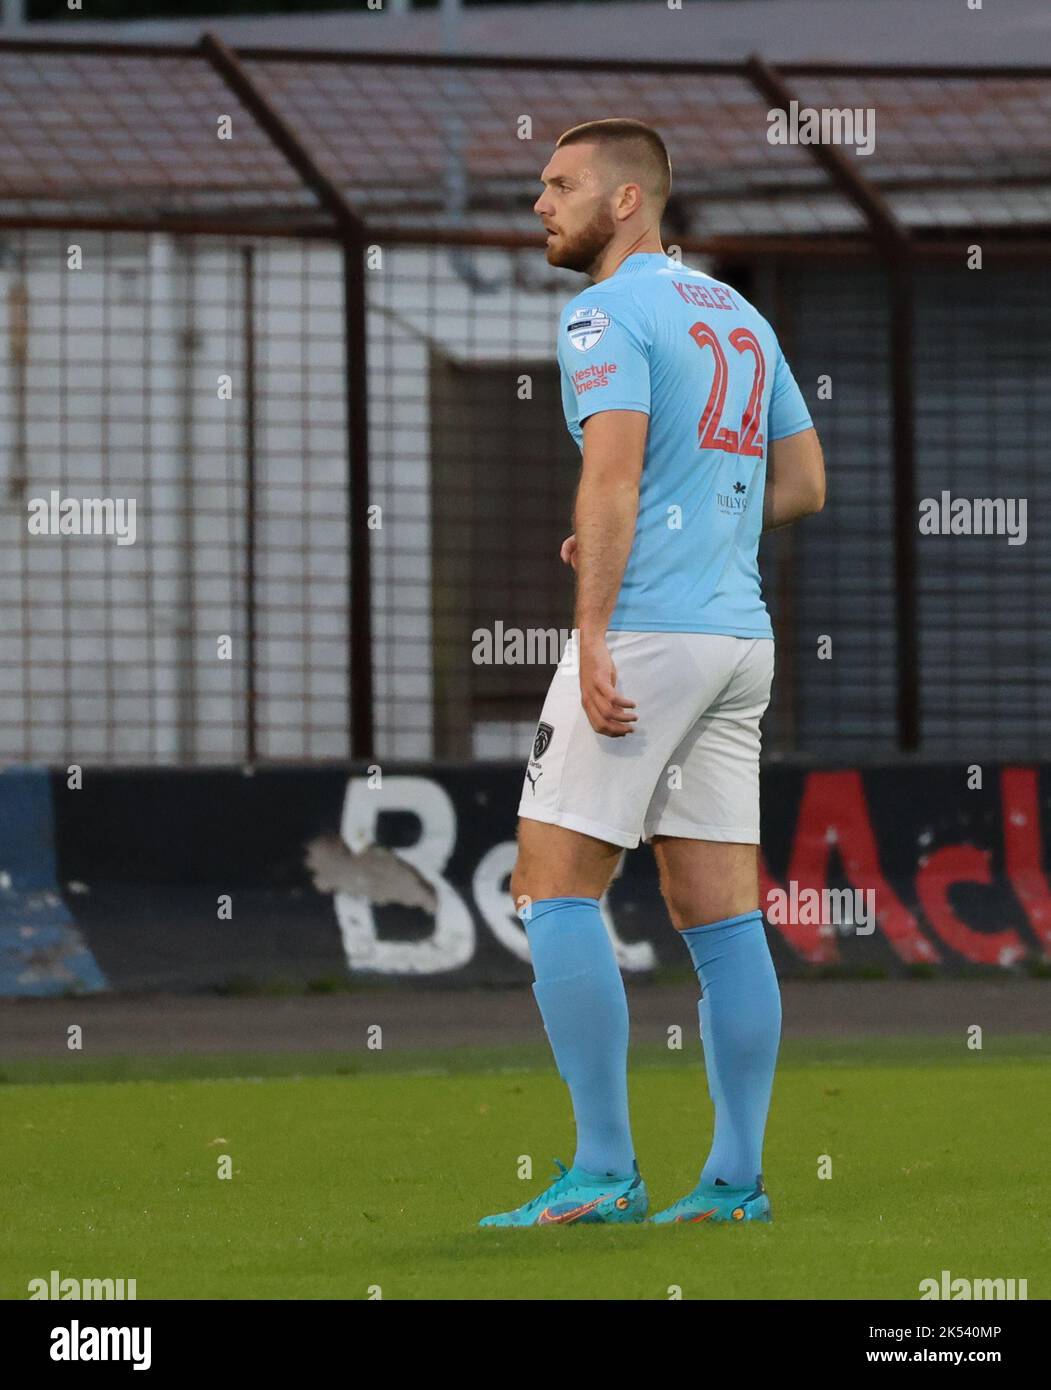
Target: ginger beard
(583,248)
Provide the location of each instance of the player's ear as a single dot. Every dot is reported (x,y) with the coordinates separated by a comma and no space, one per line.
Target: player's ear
(629,198)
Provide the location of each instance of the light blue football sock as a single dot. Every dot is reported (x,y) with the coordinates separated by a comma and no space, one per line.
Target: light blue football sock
(740,1018)
(581,999)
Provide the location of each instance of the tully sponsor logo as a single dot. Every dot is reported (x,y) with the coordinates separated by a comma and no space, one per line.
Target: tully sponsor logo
(597,374)
(733,503)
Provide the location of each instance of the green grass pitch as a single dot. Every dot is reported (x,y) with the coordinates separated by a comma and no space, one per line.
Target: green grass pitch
(365,1171)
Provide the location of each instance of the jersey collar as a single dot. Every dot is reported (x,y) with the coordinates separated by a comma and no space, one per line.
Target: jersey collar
(638,260)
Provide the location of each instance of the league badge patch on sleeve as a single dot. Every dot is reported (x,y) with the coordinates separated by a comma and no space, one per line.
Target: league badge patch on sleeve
(586,327)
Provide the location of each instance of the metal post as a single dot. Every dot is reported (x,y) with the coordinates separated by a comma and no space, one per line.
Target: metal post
(184,609)
(12,13)
(902,374)
(787,626)
(354,241)
(895,245)
(362,727)
(248,339)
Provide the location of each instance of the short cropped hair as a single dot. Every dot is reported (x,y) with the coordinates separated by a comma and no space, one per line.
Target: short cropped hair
(632,147)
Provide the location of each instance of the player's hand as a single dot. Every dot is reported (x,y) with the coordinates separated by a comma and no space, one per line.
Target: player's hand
(568,552)
(608,711)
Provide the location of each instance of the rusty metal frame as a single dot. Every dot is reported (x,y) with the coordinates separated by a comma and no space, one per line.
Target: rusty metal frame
(353,236)
(887,238)
(728,67)
(895,245)
(228,61)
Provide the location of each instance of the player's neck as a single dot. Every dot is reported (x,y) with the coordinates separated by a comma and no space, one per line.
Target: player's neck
(614,257)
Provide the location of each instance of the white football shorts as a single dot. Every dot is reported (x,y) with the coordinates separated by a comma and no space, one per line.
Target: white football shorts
(691,766)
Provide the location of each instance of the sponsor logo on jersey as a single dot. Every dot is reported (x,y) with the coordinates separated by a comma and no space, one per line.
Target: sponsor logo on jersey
(597,374)
(586,327)
(733,503)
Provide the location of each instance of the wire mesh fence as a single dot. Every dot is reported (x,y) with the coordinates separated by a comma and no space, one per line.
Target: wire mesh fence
(182,349)
(197,386)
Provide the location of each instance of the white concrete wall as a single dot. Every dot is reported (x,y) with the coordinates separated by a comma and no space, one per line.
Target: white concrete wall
(109,652)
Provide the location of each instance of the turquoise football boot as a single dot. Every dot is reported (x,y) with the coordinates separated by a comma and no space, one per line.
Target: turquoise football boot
(718,1202)
(579,1196)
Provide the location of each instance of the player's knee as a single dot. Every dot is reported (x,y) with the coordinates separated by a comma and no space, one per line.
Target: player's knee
(677,910)
(691,906)
(672,893)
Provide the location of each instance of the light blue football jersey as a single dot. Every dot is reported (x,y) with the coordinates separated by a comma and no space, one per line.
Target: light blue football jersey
(706,367)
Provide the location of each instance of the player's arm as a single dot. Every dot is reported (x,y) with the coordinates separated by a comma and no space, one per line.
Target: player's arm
(795,479)
(795,468)
(604,517)
(606,509)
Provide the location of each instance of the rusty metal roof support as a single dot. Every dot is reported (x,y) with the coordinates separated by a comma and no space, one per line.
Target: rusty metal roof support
(896,246)
(354,236)
(147,159)
(142,159)
(230,68)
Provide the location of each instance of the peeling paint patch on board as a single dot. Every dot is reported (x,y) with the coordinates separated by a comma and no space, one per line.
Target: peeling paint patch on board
(375,873)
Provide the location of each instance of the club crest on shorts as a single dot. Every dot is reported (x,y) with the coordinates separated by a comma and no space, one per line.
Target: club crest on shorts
(542,740)
(586,327)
